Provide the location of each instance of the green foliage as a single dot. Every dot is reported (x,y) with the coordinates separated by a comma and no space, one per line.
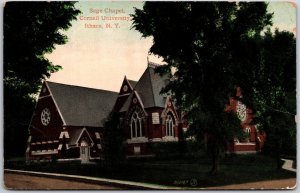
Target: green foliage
(271,87)
(114,147)
(201,40)
(31,29)
(18,107)
(216,46)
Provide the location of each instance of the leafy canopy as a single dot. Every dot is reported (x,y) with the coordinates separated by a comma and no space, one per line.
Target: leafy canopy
(201,40)
(272,88)
(31,29)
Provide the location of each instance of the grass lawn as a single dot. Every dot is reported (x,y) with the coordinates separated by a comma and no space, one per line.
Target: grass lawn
(185,172)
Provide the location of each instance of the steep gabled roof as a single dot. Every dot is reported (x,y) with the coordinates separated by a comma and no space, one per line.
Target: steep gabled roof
(76,133)
(148,88)
(81,106)
(132,83)
(127,103)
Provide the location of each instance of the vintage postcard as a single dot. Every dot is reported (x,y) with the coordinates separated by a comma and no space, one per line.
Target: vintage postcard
(134,95)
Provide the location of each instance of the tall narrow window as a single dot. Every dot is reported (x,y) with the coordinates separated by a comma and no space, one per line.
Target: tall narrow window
(169,126)
(136,125)
(248,130)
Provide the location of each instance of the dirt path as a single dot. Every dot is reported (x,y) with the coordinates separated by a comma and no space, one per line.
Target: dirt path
(271,184)
(18,181)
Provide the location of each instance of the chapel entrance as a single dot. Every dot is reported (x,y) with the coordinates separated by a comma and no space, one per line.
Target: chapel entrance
(84,151)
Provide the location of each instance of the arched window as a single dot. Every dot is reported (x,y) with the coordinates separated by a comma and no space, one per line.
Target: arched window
(136,125)
(170,126)
(248,130)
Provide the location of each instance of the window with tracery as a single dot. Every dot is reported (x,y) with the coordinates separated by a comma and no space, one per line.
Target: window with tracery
(136,125)
(169,126)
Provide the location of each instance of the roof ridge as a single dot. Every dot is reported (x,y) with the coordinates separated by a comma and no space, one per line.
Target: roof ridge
(139,98)
(126,81)
(81,87)
(151,83)
(55,101)
(82,106)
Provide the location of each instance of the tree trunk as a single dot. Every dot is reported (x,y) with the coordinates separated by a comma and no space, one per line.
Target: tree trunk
(278,148)
(215,156)
(215,166)
(278,154)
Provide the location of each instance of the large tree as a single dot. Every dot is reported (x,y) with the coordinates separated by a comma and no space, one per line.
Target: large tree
(201,40)
(31,29)
(113,144)
(270,88)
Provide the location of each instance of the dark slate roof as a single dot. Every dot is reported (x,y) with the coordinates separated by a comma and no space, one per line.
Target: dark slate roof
(75,134)
(132,83)
(127,103)
(148,88)
(81,106)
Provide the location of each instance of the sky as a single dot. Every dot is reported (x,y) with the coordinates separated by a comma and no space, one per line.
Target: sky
(100,57)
